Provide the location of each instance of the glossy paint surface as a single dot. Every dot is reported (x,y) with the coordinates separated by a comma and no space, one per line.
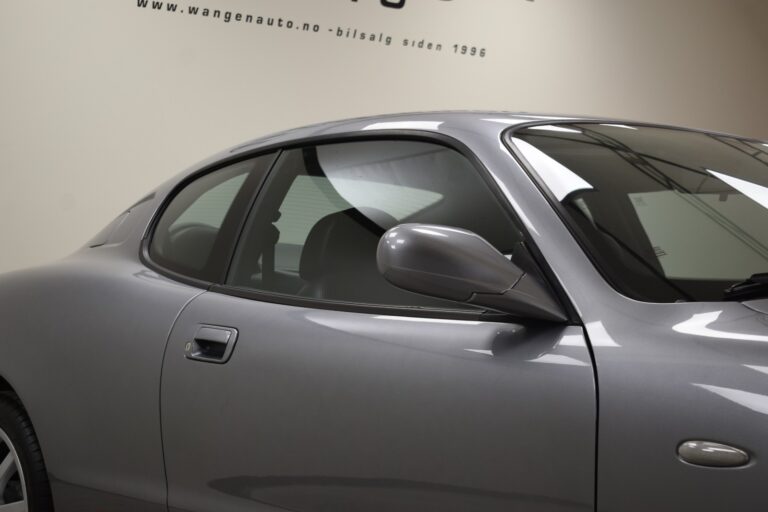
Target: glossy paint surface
(459,265)
(698,371)
(82,345)
(328,410)
(325,410)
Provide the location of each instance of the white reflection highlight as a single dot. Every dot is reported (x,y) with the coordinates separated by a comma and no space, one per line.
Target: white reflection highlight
(528,116)
(752,401)
(598,336)
(515,205)
(755,192)
(560,180)
(508,122)
(481,352)
(558,359)
(622,126)
(712,449)
(761,369)
(453,230)
(551,128)
(405,125)
(425,231)
(427,320)
(572,340)
(698,325)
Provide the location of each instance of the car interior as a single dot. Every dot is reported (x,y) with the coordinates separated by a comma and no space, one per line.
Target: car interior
(640,188)
(316,227)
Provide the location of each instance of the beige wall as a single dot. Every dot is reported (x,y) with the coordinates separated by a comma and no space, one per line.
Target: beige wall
(101,100)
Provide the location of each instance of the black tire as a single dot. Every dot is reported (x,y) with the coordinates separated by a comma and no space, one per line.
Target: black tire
(17,427)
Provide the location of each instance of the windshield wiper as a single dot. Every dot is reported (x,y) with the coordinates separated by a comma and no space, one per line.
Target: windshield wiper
(752,288)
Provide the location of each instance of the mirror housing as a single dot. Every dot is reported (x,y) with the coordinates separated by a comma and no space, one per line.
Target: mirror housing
(458,265)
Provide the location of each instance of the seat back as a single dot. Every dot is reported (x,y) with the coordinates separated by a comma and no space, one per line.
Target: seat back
(338,260)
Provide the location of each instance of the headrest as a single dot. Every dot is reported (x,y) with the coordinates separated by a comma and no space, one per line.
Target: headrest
(344,241)
(191,246)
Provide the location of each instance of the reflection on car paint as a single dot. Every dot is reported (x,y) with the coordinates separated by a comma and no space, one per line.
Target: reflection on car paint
(599,337)
(405,125)
(752,401)
(315,493)
(698,325)
(761,369)
(558,359)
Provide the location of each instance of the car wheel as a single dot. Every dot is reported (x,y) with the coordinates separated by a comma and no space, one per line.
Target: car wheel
(24,483)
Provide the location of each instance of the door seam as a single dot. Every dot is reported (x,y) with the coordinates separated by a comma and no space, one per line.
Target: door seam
(160,391)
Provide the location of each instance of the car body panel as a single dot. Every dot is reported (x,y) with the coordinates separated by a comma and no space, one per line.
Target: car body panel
(666,373)
(83,341)
(672,373)
(328,410)
(761,306)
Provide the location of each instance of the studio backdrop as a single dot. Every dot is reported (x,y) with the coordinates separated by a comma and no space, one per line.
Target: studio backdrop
(100,100)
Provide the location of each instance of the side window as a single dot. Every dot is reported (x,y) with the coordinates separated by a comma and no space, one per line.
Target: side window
(190,232)
(316,226)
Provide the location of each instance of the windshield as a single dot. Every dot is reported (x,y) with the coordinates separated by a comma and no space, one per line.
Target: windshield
(667,215)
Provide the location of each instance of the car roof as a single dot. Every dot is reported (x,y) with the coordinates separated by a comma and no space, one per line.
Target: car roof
(487,124)
(491,122)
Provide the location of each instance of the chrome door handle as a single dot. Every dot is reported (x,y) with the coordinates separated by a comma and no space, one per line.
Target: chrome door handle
(211,344)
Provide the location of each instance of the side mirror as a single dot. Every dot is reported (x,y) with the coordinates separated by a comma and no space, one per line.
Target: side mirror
(458,265)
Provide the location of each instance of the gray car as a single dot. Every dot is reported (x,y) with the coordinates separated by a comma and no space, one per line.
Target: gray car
(428,312)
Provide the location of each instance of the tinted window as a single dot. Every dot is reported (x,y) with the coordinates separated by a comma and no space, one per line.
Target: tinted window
(666,214)
(316,227)
(189,237)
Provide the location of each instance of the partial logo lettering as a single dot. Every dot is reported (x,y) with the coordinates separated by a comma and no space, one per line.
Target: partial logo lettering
(395,4)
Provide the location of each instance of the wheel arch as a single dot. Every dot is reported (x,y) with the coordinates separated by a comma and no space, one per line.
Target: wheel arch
(8,390)
(5,387)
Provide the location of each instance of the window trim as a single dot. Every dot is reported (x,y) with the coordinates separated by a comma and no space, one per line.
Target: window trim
(249,190)
(485,175)
(360,307)
(277,148)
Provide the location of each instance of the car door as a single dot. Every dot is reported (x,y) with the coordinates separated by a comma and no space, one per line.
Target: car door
(306,382)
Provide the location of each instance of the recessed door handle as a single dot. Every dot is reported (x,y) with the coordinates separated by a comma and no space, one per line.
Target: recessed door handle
(211,344)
